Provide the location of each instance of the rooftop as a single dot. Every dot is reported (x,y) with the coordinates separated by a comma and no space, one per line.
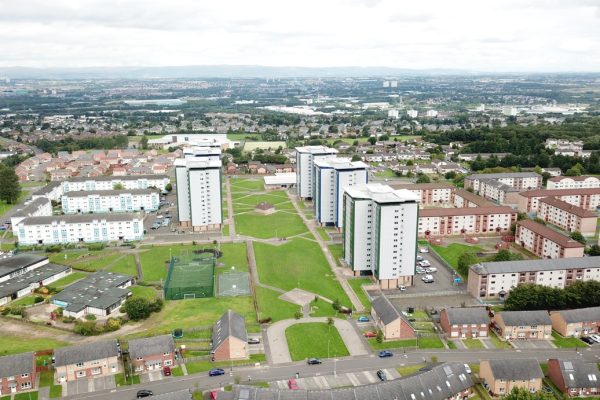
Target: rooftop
(525,318)
(316,150)
(444,212)
(151,346)
(385,310)
(197,163)
(421,186)
(549,233)
(516,369)
(559,192)
(504,175)
(579,374)
(550,264)
(382,193)
(118,178)
(35,276)
(340,164)
(79,218)
(85,352)
(581,314)
(86,193)
(230,324)
(9,265)
(467,315)
(17,364)
(573,178)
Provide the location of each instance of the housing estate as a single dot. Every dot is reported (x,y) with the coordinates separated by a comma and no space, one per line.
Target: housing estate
(576,323)
(465,322)
(390,321)
(229,338)
(17,373)
(546,242)
(587,198)
(573,182)
(108,201)
(152,353)
(500,377)
(567,216)
(305,167)
(575,378)
(85,361)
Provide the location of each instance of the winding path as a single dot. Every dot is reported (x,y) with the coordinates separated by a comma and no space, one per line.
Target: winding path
(280,352)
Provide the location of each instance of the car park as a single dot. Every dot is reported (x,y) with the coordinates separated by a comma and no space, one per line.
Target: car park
(216,372)
(420,258)
(596,338)
(428,279)
(292,384)
(385,353)
(402,288)
(313,361)
(363,319)
(370,334)
(420,270)
(425,263)
(159,216)
(431,270)
(144,393)
(588,340)
(381,375)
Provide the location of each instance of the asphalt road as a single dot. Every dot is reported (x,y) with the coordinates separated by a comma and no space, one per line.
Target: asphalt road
(348,364)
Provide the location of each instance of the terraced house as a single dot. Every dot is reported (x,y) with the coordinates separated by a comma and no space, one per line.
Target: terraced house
(502,376)
(523,325)
(148,354)
(85,361)
(17,373)
(466,322)
(576,323)
(575,378)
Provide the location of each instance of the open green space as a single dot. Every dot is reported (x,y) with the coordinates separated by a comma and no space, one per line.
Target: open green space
(96,262)
(55,391)
(298,263)
(124,265)
(423,326)
(473,344)
(67,280)
(225,230)
(71,256)
(270,305)
(24,301)
(4,207)
(12,344)
(452,252)
(246,185)
(409,369)
(244,202)
(243,136)
(147,292)
(566,342)
(392,344)
(430,342)
(155,260)
(234,255)
(323,233)
(318,340)
(131,379)
(356,285)
(280,224)
(195,367)
(385,173)
(337,252)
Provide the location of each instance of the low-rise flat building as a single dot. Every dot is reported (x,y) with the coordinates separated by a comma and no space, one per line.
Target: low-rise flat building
(25,284)
(281,180)
(575,378)
(86,361)
(390,321)
(522,325)
(111,182)
(461,221)
(430,193)
(502,376)
(576,323)
(567,216)
(465,322)
(494,280)
(573,182)
(497,191)
(463,199)
(517,180)
(152,353)
(38,207)
(546,242)
(108,201)
(229,338)
(53,191)
(587,198)
(82,228)
(98,294)
(17,373)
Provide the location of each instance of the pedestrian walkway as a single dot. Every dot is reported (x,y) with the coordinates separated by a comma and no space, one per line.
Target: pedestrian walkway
(230,209)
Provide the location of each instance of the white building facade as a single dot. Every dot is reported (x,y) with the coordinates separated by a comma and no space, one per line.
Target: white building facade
(107,201)
(380,233)
(573,182)
(305,171)
(332,177)
(110,182)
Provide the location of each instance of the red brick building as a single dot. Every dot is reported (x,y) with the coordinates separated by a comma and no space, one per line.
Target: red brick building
(467,322)
(152,353)
(575,378)
(17,373)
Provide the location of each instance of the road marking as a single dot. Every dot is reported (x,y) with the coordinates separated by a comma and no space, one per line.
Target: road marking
(353,379)
(369,376)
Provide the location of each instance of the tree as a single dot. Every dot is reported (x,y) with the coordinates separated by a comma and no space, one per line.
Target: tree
(168,187)
(506,255)
(138,308)
(379,337)
(118,186)
(422,178)
(578,236)
(144,142)
(450,175)
(372,140)
(594,250)
(10,189)
(356,157)
(575,170)
(465,260)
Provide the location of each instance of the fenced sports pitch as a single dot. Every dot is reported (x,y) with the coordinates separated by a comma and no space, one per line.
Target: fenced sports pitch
(191,275)
(233,284)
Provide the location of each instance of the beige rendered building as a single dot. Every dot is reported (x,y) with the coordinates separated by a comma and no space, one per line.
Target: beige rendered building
(501,376)
(522,325)
(86,361)
(546,242)
(567,216)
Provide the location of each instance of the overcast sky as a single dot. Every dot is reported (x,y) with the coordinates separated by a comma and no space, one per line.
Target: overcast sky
(480,35)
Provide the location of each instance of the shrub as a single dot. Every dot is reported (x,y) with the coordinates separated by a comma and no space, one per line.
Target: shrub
(86,328)
(112,324)
(38,299)
(55,248)
(18,310)
(68,320)
(90,317)
(298,315)
(96,246)
(265,320)
(379,337)
(5,311)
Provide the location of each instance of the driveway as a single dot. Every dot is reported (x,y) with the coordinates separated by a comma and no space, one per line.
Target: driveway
(280,352)
(88,385)
(533,344)
(151,376)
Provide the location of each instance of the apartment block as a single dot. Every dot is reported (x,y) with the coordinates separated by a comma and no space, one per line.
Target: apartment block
(332,177)
(305,168)
(546,242)
(461,221)
(463,198)
(82,228)
(494,280)
(380,233)
(517,180)
(199,193)
(573,182)
(111,182)
(430,193)
(522,325)
(107,201)
(587,198)
(38,207)
(567,216)
(497,191)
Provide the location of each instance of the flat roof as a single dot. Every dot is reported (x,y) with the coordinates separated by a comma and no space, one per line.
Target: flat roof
(340,163)
(99,290)
(79,218)
(382,193)
(9,265)
(573,178)
(549,233)
(549,264)
(504,175)
(421,186)
(117,178)
(197,163)
(86,193)
(316,150)
(288,178)
(37,275)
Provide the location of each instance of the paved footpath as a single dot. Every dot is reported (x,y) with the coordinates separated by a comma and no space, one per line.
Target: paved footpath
(280,352)
(230,210)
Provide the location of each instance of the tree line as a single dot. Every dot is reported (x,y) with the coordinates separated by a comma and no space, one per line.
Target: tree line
(538,297)
(93,143)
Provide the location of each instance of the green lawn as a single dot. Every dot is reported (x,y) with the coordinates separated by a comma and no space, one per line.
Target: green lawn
(246,184)
(125,265)
(430,342)
(271,306)
(566,342)
(147,292)
(26,396)
(234,255)
(298,263)
(5,207)
(473,344)
(280,224)
(100,261)
(424,326)
(452,252)
(337,252)
(69,257)
(409,369)
(392,344)
(10,344)
(67,280)
(386,173)
(46,378)
(155,260)
(131,380)
(323,233)
(55,391)
(244,202)
(356,285)
(318,340)
(497,342)
(451,345)
(206,365)
(24,301)
(225,230)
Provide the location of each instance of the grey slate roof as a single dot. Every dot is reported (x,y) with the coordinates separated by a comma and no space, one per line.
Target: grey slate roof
(79,218)
(441,382)
(86,193)
(38,275)
(85,352)
(46,189)
(385,310)
(516,369)
(525,318)
(576,374)
(184,394)
(467,315)
(581,314)
(32,207)
(507,267)
(503,175)
(11,264)
(16,364)
(151,346)
(117,178)
(100,290)
(230,324)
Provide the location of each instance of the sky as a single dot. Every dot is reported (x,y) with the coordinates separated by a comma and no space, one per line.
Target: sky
(478,35)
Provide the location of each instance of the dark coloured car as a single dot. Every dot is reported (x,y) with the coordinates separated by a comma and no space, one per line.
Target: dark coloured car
(216,372)
(144,393)
(588,340)
(177,333)
(313,361)
(385,353)
(381,375)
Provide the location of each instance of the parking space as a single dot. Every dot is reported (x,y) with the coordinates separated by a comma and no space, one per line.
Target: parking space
(533,344)
(151,376)
(323,382)
(87,385)
(443,277)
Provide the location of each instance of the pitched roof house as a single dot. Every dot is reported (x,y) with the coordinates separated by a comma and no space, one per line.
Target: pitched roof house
(390,321)
(229,339)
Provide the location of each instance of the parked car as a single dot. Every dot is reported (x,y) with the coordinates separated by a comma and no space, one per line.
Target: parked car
(420,270)
(177,333)
(423,250)
(425,263)
(363,319)
(428,279)
(292,384)
(144,393)
(253,341)
(216,372)
(313,361)
(402,288)
(431,270)
(420,258)
(385,353)
(588,340)
(167,371)
(370,334)
(159,216)
(467,368)
(595,338)
(382,376)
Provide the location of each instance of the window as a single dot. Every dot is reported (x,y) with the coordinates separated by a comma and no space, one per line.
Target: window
(79,364)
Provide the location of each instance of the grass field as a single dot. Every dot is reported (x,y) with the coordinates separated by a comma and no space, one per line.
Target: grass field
(564,342)
(298,263)
(155,260)
(246,184)
(392,344)
(318,340)
(97,263)
(323,233)
(67,280)
(409,369)
(452,252)
(356,284)
(386,173)
(473,344)
(497,342)
(280,224)
(430,342)
(337,252)
(234,255)
(26,396)
(271,306)
(203,366)
(5,207)
(124,265)
(243,136)
(10,344)
(147,292)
